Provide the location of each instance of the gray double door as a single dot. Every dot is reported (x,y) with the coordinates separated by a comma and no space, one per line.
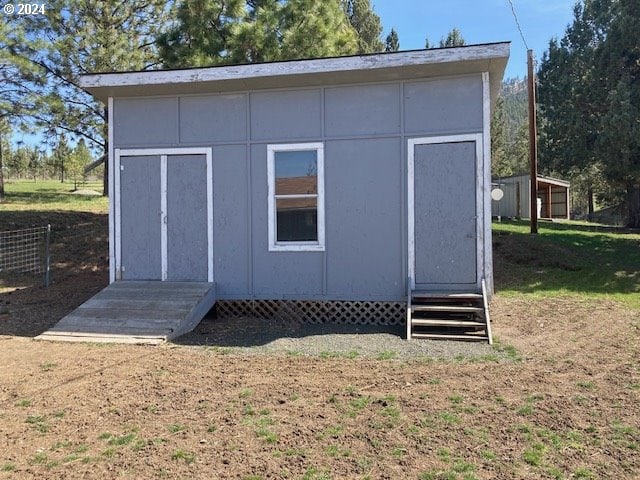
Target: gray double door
(445,215)
(163,218)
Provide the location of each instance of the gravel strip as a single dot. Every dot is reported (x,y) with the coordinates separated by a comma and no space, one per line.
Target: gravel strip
(254,336)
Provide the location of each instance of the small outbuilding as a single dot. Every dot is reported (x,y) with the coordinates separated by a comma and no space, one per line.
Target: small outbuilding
(553,197)
(337,189)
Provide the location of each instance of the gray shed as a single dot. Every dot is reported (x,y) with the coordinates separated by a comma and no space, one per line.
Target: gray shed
(337,189)
(553,197)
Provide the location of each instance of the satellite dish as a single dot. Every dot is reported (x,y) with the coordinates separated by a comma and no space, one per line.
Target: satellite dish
(497,194)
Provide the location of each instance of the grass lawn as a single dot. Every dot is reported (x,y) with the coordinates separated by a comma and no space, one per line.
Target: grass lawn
(567,258)
(51,195)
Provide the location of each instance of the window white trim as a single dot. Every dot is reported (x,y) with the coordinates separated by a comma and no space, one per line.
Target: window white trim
(274,245)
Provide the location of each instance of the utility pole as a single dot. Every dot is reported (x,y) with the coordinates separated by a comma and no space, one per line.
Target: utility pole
(533,144)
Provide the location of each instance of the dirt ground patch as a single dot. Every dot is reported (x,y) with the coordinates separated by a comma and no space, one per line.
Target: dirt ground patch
(569,409)
(559,397)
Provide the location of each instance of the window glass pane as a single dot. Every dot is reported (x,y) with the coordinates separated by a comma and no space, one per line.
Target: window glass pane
(296,172)
(297,219)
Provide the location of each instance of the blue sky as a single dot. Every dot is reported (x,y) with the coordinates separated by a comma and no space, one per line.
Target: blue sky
(480,21)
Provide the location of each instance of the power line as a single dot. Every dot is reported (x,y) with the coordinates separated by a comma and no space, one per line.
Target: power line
(515,17)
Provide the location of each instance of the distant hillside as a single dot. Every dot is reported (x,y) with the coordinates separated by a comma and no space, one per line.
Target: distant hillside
(510,130)
(514,93)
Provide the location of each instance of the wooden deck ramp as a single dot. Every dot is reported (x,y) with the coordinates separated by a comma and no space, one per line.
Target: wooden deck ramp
(136,312)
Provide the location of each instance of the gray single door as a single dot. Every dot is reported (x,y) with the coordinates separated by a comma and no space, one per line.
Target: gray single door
(140,216)
(445,214)
(187,252)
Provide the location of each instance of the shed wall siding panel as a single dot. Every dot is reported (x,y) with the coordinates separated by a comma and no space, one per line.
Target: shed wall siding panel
(443,106)
(364,132)
(364,241)
(277,274)
(231,221)
(219,118)
(286,115)
(362,110)
(152,121)
(140,181)
(187,218)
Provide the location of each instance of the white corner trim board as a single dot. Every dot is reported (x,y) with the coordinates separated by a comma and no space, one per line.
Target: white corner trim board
(110,165)
(115,206)
(487,253)
(163,217)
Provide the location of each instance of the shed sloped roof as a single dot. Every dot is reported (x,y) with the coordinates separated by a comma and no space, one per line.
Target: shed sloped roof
(541,179)
(377,67)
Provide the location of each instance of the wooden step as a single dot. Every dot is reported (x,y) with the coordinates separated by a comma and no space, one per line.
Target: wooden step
(441,322)
(445,295)
(445,308)
(448,315)
(444,336)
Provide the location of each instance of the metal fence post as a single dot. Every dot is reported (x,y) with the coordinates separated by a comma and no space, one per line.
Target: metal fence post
(47,260)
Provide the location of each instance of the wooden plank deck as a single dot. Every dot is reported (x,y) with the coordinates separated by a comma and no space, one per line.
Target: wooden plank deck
(136,312)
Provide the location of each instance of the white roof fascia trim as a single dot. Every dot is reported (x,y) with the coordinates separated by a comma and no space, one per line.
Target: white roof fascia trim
(554,181)
(298,67)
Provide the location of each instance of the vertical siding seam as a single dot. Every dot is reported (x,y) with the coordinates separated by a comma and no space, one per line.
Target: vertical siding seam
(211,247)
(116,217)
(404,219)
(249,194)
(179,109)
(322,136)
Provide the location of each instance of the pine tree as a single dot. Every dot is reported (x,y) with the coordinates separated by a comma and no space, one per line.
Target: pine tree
(499,161)
(453,39)
(76,37)
(35,163)
(214,32)
(79,158)
(618,61)
(17,162)
(60,158)
(313,29)
(392,43)
(366,23)
(14,93)
(590,100)
(4,133)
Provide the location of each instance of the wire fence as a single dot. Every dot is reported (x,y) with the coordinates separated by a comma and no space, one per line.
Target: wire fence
(26,251)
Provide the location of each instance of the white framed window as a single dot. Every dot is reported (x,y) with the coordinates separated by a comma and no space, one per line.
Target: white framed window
(295,174)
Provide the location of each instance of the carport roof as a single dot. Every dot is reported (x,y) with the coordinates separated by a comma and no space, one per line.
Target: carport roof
(377,67)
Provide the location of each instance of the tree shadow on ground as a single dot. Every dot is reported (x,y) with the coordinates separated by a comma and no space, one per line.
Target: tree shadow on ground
(79,269)
(255,331)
